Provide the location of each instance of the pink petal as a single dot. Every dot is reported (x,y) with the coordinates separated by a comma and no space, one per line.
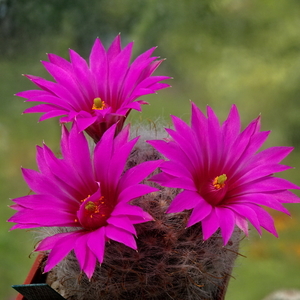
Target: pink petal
(174,169)
(122,137)
(47,201)
(90,264)
(266,184)
(227,222)
(96,243)
(256,142)
(125,209)
(79,155)
(81,249)
(66,80)
(115,48)
(84,123)
(85,257)
(242,223)
(240,145)
(54,89)
(49,242)
(40,183)
(187,143)
(118,162)
(52,99)
(200,127)
(103,153)
(40,160)
(257,173)
(185,200)
(131,105)
(202,210)
(137,173)
(273,155)
(41,108)
(170,181)
(84,79)
(63,245)
(265,220)
(262,199)
(135,70)
(172,151)
(231,127)
(121,236)
(64,174)
(117,71)
(214,138)
(99,66)
(60,62)
(210,224)
(246,211)
(52,114)
(123,223)
(135,191)
(286,197)
(44,217)
(32,93)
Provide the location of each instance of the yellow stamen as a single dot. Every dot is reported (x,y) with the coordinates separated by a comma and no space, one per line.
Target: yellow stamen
(99,104)
(94,207)
(85,198)
(219,181)
(91,207)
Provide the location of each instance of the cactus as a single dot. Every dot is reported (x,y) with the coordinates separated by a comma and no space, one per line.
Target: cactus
(172,261)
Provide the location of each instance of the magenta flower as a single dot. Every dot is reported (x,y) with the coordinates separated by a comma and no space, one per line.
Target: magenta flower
(90,193)
(95,95)
(224,180)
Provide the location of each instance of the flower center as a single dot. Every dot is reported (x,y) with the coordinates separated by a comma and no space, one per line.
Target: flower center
(219,181)
(93,214)
(92,208)
(99,104)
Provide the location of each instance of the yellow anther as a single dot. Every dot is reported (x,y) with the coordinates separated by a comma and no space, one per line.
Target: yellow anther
(99,104)
(219,181)
(90,206)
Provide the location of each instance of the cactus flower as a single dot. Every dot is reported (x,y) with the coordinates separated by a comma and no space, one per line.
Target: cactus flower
(88,193)
(98,94)
(225,180)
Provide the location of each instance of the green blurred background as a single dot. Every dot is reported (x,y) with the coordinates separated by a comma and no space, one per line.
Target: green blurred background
(219,52)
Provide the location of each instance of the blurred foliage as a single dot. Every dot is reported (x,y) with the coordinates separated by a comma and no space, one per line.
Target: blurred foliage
(219,52)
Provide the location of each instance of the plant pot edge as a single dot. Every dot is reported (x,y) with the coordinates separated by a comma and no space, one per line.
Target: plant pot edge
(35,274)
